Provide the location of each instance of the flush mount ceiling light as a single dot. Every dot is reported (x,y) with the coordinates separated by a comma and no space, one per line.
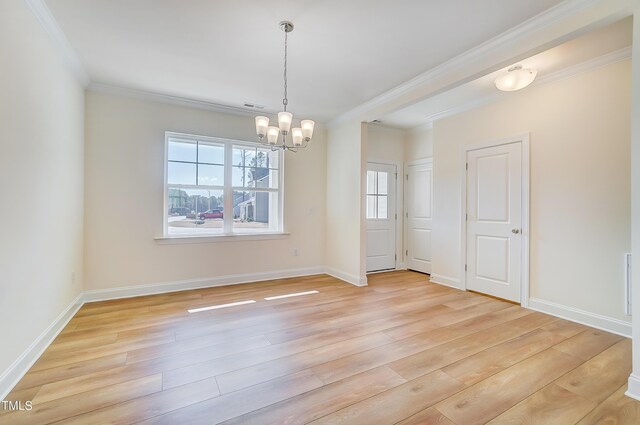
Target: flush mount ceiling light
(276,137)
(516,78)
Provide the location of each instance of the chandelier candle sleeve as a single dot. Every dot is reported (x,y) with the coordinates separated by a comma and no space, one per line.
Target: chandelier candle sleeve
(272,135)
(296,135)
(262,123)
(284,121)
(307,129)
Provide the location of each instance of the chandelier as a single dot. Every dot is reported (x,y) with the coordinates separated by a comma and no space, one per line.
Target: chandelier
(276,137)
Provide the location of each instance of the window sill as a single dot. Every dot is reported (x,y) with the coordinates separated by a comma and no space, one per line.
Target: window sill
(184,239)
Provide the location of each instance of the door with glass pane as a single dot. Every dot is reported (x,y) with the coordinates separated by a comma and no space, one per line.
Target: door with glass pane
(381,217)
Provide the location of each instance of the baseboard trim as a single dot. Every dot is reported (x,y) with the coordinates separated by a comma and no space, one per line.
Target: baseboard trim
(186,285)
(22,364)
(445,280)
(615,326)
(347,277)
(633,388)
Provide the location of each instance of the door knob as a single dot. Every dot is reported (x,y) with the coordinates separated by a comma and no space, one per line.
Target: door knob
(515,231)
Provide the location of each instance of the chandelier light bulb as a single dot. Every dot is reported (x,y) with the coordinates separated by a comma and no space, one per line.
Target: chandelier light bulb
(516,78)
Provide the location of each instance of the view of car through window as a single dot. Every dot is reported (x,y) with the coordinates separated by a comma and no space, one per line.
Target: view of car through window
(196,187)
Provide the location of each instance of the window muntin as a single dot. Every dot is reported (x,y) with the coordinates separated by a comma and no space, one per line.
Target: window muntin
(221,187)
(377,195)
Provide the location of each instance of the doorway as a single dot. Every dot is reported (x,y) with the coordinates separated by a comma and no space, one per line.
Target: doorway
(381,216)
(495,215)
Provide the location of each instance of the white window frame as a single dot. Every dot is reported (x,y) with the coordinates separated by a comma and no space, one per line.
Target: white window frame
(227,189)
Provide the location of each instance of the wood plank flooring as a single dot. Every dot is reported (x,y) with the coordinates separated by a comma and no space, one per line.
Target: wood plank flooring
(400,351)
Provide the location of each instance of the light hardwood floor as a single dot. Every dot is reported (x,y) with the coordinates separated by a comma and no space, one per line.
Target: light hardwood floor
(402,350)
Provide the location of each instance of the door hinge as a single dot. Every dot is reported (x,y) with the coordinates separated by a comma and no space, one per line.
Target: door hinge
(406,214)
(396,216)
(467,166)
(466,217)
(407,176)
(465,267)
(396,257)
(406,253)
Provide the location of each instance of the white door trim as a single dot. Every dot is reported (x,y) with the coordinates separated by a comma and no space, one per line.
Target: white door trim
(399,208)
(524,139)
(425,160)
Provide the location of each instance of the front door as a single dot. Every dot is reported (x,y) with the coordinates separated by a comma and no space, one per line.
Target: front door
(494,220)
(381,217)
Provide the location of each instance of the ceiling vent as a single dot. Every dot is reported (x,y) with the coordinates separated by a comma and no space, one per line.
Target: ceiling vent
(253,106)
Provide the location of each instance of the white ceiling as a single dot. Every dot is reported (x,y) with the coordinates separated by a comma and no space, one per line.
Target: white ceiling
(611,38)
(342,53)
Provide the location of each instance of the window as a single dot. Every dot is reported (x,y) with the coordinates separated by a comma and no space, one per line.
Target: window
(377,195)
(221,187)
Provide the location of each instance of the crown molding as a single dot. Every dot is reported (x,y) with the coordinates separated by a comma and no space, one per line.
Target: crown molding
(588,65)
(47,21)
(178,101)
(173,100)
(422,127)
(554,15)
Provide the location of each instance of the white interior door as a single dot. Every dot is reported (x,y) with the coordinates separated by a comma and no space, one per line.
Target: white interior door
(418,216)
(381,217)
(494,221)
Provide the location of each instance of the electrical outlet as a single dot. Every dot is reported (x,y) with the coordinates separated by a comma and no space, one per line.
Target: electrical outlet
(296,252)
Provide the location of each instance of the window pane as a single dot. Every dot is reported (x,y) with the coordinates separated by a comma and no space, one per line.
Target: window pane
(261,160)
(371,206)
(244,156)
(382,207)
(182,151)
(383,182)
(272,158)
(255,212)
(194,211)
(371,182)
(262,178)
(181,173)
(211,175)
(213,154)
(240,178)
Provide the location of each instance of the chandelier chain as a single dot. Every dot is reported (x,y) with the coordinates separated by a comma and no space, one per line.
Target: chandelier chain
(285,101)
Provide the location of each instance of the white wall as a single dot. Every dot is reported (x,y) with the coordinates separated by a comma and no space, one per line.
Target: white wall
(125,189)
(385,143)
(41,181)
(346,159)
(580,185)
(418,144)
(634,379)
